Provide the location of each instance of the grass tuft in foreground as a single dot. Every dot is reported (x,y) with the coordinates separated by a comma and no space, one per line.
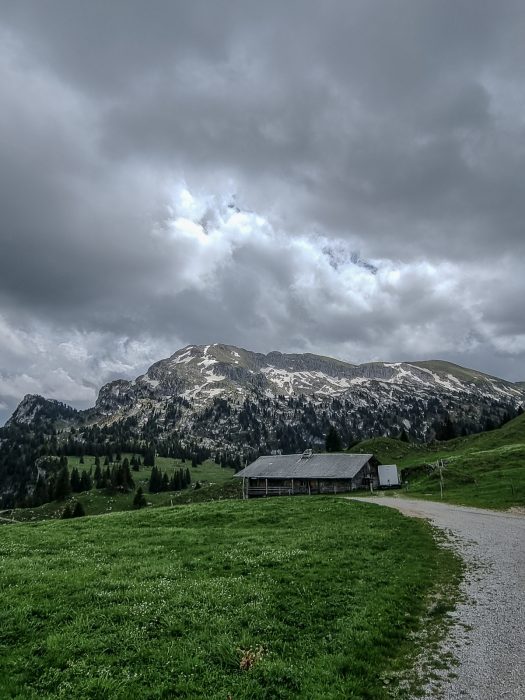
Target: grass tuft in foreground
(280,598)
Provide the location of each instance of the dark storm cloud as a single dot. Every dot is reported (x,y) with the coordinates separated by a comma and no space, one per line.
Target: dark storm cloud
(172,172)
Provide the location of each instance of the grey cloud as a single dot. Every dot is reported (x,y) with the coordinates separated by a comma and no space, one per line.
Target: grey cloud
(388,133)
(378,102)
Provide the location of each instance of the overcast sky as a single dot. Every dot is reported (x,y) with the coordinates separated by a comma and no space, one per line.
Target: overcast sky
(340,177)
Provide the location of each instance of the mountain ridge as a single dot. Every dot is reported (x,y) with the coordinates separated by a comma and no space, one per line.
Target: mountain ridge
(198,374)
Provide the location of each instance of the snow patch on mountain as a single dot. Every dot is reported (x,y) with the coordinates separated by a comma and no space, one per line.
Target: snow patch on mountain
(182,359)
(207,362)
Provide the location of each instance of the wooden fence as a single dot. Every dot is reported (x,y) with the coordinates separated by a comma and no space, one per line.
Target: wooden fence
(296,490)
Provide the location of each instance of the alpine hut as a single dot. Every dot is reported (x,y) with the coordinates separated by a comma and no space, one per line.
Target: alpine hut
(308,473)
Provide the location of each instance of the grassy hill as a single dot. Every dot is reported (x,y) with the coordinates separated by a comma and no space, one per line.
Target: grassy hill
(281,598)
(486,470)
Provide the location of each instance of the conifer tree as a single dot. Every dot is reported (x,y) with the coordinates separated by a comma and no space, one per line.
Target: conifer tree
(155,482)
(86,483)
(165,484)
(149,457)
(62,484)
(152,486)
(21,495)
(140,500)
(128,479)
(333,441)
(41,492)
(447,430)
(117,477)
(78,510)
(75,481)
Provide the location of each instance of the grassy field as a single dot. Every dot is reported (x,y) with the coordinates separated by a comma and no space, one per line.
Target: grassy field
(216,483)
(312,597)
(207,472)
(485,470)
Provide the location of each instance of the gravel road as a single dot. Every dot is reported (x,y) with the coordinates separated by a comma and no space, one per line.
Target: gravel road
(488,634)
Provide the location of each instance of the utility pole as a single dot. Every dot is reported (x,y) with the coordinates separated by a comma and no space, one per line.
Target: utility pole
(440,466)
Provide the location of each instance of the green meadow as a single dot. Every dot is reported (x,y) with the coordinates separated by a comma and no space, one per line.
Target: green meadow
(215,482)
(276,598)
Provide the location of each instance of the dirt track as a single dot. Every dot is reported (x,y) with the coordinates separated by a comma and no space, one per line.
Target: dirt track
(488,636)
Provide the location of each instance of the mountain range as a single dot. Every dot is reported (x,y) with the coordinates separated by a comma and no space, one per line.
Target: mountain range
(214,393)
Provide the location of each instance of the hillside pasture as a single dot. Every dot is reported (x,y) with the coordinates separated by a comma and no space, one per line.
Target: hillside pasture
(485,470)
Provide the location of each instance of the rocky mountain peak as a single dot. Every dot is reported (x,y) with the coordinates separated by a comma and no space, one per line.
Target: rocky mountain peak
(34,407)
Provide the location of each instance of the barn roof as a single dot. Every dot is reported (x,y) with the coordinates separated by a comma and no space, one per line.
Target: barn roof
(316,466)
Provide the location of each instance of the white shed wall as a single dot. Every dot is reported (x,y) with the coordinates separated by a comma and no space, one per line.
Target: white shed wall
(388,475)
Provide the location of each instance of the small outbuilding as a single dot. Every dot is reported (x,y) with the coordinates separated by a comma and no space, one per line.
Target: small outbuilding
(388,476)
(308,473)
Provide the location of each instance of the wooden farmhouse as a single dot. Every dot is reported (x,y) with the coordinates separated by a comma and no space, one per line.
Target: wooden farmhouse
(307,473)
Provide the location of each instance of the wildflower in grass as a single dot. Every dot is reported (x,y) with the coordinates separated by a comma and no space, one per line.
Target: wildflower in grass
(249,657)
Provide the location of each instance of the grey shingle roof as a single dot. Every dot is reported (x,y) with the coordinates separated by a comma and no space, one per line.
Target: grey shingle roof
(318,466)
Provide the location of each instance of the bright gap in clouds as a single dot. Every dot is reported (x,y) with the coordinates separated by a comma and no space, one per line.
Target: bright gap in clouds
(303,293)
